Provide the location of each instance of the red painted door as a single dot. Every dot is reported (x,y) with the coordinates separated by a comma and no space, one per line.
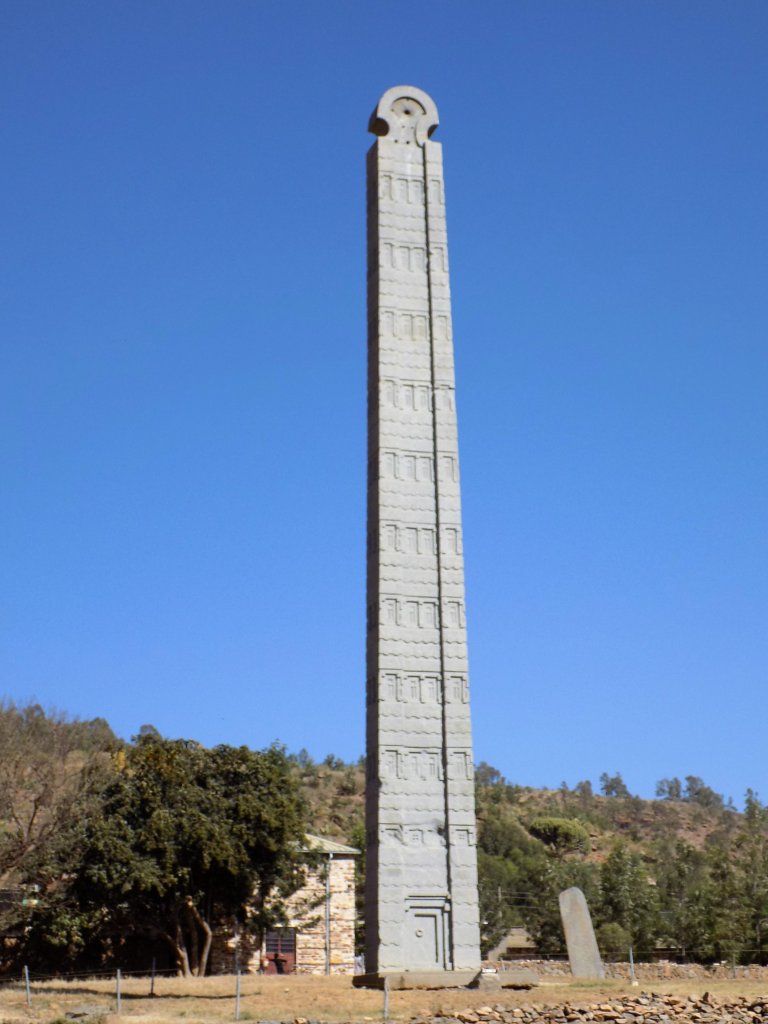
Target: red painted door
(280,947)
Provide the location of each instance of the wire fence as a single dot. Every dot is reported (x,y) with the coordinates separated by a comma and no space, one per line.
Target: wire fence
(89,975)
(37,984)
(617,958)
(29,981)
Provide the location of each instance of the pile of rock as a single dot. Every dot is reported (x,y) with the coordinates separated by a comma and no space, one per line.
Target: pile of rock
(646,1008)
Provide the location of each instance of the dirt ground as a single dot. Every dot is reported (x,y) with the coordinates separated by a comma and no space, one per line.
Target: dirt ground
(273,998)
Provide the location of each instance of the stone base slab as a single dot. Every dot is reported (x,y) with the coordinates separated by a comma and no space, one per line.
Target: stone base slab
(398,981)
(520,977)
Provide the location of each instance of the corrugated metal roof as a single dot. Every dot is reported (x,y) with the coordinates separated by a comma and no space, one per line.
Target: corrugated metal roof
(322,845)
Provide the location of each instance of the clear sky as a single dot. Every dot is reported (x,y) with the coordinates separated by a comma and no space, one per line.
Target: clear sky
(182,392)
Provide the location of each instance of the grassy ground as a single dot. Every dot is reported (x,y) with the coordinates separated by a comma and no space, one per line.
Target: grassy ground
(212,1000)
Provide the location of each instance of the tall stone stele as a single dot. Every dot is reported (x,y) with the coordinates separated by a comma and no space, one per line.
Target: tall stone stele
(421,888)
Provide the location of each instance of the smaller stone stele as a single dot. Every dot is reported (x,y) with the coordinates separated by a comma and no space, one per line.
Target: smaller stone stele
(583,952)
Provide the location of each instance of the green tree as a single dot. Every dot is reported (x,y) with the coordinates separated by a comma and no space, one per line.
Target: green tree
(486,775)
(560,835)
(613,940)
(502,835)
(357,839)
(334,763)
(728,909)
(492,789)
(613,785)
(583,790)
(500,893)
(684,893)
(183,836)
(669,789)
(627,898)
(542,917)
(750,855)
(697,793)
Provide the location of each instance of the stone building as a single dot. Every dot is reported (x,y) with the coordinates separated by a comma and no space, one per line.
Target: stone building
(319,936)
(517,943)
(322,914)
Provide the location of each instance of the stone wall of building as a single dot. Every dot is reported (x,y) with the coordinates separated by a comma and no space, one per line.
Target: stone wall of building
(307,914)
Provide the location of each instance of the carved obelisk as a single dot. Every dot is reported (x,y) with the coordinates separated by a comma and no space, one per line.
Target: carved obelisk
(421,885)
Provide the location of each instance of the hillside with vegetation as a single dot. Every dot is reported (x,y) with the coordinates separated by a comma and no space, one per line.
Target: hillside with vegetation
(107,845)
(685,873)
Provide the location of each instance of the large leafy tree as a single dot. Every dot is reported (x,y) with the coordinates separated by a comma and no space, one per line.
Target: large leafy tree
(752,855)
(613,785)
(183,836)
(561,836)
(543,918)
(685,896)
(627,898)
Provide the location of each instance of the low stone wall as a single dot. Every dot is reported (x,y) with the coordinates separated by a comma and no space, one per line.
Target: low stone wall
(669,971)
(663,970)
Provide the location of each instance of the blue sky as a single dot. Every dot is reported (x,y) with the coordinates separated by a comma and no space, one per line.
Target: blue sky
(182,392)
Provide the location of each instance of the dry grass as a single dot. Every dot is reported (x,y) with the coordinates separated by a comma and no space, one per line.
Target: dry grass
(212,1000)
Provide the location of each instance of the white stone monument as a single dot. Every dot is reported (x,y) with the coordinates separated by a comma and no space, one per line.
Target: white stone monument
(421,895)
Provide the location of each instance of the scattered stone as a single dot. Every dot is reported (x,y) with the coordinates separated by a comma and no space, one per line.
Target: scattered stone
(645,1008)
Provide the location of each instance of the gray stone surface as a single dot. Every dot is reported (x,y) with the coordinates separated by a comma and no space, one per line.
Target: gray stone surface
(580,935)
(398,981)
(421,894)
(512,977)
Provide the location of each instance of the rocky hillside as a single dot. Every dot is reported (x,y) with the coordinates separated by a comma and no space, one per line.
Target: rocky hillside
(335,795)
